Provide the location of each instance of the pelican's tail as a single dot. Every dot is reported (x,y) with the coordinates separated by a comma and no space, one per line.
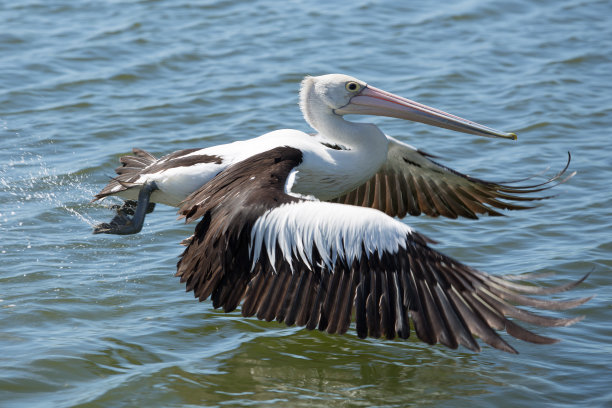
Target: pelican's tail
(128,174)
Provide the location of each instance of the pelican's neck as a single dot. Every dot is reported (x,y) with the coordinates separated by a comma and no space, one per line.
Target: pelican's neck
(332,127)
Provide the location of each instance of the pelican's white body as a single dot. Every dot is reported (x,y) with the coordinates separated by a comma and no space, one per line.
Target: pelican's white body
(324,172)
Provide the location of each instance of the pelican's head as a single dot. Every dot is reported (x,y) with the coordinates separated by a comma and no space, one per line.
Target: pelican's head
(333,90)
(344,95)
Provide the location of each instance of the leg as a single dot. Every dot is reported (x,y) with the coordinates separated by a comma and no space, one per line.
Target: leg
(122,224)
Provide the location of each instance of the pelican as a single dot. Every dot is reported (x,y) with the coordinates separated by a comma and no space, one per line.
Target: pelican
(352,163)
(301,261)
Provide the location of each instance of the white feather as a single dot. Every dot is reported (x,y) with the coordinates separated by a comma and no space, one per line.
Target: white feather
(336,231)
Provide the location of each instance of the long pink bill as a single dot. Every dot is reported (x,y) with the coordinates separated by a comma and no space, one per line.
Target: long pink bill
(374,101)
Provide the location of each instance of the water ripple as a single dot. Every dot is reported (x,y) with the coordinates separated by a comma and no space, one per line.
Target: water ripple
(94,320)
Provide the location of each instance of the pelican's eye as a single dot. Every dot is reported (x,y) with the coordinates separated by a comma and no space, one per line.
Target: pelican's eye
(352,86)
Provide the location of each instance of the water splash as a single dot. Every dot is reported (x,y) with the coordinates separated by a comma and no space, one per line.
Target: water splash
(30,187)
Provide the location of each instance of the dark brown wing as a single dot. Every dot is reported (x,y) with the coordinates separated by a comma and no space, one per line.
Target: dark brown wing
(411,183)
(317,264)
(448,302)
(217,259)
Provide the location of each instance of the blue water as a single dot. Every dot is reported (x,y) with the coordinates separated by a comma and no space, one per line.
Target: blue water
(100,321)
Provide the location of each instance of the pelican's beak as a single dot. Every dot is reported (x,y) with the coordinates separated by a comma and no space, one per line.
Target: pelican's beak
(374,101)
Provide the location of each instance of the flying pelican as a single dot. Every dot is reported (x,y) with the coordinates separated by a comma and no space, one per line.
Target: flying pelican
(316,264)
(353,163)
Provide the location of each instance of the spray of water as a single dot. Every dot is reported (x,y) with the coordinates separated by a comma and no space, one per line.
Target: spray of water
(29,186)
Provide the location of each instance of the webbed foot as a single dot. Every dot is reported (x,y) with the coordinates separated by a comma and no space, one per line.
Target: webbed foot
(122,223)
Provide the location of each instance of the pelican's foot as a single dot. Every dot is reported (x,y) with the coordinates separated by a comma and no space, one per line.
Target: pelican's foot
(122,223)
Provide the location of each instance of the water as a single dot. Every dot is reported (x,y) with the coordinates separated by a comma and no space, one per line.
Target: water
(100,321)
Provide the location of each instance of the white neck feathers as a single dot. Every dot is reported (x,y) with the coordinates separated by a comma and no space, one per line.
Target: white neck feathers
(319,114)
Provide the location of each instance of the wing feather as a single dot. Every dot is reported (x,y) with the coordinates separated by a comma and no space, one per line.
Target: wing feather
(331,262)
(424,186)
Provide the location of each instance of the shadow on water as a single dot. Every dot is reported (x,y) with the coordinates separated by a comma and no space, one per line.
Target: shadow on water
(233,361)
(310,368)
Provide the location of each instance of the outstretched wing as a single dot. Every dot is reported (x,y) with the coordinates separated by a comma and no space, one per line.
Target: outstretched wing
(410,182)
(317,264)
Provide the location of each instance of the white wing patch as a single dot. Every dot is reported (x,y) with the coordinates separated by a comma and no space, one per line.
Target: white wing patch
(336,231)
